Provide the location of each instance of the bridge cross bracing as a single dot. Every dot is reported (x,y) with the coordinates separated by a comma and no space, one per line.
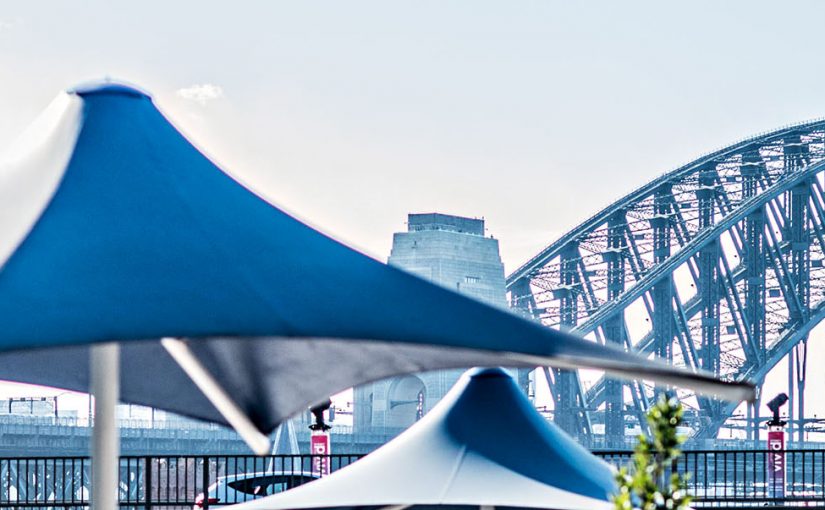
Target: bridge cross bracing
(716,265)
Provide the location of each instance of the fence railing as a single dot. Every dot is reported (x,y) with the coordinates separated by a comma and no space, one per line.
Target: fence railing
(743,478)
(724,479)
(169,482)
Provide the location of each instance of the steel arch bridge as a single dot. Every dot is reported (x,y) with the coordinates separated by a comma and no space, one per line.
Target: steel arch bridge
(716,265)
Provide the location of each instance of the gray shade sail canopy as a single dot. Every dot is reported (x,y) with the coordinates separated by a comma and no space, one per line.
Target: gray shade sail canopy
(113,227)
(484,445)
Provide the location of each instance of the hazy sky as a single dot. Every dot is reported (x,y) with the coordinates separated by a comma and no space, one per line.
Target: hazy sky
(533,114)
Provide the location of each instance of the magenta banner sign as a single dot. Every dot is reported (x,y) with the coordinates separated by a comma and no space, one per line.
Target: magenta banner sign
(776,462)
(320,451)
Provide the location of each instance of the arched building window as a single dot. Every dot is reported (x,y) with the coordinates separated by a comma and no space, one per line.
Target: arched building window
(406,401)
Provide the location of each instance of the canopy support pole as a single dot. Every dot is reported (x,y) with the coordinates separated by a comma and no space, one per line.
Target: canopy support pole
(105,386)
(189,363)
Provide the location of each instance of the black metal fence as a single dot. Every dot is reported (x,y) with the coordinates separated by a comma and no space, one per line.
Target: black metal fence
(743,478)
(168,482)
(723,479)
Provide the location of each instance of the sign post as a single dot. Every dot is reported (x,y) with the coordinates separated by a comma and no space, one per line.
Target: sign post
(319,444)
(320,449)
(776,461)
(776,449)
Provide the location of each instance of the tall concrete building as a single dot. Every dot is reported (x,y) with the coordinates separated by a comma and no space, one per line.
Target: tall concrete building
(450,251)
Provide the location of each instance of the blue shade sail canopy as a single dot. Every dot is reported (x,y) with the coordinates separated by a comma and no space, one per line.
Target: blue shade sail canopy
(113,227)
(484,444)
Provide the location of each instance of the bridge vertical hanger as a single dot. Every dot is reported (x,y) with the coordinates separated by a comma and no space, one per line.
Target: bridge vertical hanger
(567,408)
(614,328)
(663,289)
(709,290)
(523,300)
(752,170)
(795,158)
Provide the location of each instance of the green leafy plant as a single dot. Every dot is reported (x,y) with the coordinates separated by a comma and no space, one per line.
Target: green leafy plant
(645,485)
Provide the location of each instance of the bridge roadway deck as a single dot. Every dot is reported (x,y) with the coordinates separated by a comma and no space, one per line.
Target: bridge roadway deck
(26,436)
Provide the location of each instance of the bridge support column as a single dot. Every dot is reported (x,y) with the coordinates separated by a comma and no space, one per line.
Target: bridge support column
(709,290)
(753,426)
(754,229)
(523,300)
(754,259)
(566,410)
(663,326)
(614,328)
(797,232)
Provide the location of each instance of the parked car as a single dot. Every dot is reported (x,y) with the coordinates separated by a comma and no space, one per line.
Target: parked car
(242,487)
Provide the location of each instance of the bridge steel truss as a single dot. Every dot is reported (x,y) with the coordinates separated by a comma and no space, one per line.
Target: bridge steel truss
(716,265)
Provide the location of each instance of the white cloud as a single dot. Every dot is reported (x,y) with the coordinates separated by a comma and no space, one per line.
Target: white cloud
(8,24)
(201,93)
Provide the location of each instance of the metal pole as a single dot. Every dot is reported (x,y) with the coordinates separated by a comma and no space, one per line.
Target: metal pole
(801,376)
(148,482)
(205,482)
(791,397)
(105,386)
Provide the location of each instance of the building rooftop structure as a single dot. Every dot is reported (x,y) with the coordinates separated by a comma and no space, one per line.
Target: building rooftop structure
(438,221)
(451,251)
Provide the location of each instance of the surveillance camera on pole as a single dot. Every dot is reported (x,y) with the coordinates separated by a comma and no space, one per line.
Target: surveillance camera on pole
(774,405)
(318,412)
(776,447)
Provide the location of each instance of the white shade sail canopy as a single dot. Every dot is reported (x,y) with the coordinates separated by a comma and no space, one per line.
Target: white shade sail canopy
(484,444)
(115,228)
